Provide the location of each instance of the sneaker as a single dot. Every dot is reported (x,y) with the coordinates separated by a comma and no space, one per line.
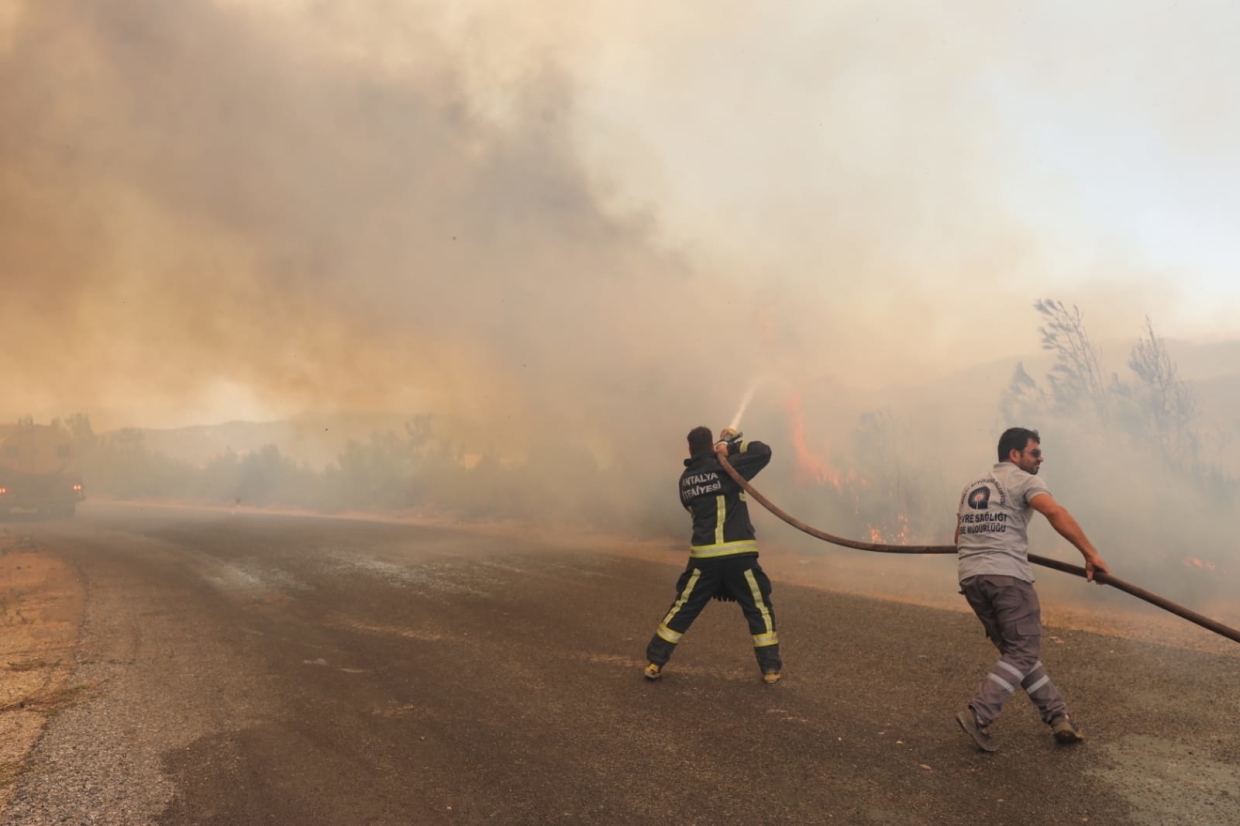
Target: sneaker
(770,677)
(980,734)
(653,671)
(1066,731)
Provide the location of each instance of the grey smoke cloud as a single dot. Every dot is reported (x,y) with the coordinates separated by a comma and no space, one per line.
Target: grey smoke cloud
(316,206)
(192,195)
(386,207)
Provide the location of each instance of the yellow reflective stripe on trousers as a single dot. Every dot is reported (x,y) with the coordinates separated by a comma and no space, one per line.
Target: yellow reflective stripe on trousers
(676,606)
(668,634)
(763,640)
(741,546)
(721,515)
(766,614)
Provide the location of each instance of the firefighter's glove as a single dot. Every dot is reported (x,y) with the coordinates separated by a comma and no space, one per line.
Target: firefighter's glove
(729,434)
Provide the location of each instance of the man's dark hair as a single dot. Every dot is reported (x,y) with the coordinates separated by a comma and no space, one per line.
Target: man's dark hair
(1015,438)
(700,440)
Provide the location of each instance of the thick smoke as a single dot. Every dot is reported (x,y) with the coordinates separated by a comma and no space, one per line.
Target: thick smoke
(307,206)
(573,230)
(195,196)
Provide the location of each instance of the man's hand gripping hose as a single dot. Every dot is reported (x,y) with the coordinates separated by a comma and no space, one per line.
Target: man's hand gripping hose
(726,437)
(1099,577)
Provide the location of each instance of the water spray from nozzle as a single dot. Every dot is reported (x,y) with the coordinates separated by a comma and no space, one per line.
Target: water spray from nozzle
(749,394)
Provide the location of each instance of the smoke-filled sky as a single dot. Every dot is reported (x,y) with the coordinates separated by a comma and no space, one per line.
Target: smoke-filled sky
(574,218)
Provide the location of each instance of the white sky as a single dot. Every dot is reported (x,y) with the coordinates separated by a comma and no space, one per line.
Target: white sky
(1107,132)
(1129,153)
(1110,131)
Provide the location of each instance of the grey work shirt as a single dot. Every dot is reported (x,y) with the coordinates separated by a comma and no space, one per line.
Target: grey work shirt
(994,523)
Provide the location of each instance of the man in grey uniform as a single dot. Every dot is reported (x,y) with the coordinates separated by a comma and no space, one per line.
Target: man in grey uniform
(995,577)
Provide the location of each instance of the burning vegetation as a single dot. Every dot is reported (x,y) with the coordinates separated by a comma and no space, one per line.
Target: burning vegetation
(1130,456)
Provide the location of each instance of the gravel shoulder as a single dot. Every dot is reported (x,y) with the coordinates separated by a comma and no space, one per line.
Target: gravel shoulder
(41,609)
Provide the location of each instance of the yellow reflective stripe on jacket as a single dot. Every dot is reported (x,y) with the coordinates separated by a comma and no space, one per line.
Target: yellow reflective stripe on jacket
(721,516)
(742,546)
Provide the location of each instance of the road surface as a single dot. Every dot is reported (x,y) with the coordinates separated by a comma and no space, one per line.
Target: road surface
(238,668)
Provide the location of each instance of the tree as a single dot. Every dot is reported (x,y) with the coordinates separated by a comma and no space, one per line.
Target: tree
(376,473)
(1023,400)
(1166,407)
(83,435)
(1076,380)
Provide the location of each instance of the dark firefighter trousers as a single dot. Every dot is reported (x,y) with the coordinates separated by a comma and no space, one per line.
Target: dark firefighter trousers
(1010,613)
(734,578)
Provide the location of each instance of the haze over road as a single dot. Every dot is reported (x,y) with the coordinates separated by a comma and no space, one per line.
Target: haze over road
(245,668)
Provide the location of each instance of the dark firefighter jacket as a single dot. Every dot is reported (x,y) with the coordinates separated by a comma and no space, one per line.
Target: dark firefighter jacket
(721,525)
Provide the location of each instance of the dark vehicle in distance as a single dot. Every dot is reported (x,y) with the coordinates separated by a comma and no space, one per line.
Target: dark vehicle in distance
(36,473)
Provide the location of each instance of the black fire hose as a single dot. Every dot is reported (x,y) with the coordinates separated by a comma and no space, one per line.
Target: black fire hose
(1106,579)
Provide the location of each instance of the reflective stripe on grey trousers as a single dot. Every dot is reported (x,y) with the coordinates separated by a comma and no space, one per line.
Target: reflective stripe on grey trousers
(1010,613)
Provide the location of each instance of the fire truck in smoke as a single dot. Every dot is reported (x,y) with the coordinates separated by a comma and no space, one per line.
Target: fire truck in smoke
(35,470)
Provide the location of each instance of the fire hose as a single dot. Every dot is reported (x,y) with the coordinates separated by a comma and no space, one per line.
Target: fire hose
(1105,579)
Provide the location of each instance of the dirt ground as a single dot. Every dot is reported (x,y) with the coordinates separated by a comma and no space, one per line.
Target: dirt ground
(41,603)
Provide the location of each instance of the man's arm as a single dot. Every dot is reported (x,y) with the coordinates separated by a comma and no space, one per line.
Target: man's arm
(747,457)
(1068,528)
(956,535)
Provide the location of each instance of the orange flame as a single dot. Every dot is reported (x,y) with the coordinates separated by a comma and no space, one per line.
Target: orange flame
(810,468)
(1193,562)
(900,537)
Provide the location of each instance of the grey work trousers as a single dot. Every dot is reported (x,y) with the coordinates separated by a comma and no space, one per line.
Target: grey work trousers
(1009,610)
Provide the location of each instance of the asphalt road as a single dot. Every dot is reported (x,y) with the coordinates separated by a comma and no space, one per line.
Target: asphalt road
(243,669)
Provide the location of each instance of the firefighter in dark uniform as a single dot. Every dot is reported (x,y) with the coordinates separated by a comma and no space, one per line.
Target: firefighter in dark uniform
(723,558)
